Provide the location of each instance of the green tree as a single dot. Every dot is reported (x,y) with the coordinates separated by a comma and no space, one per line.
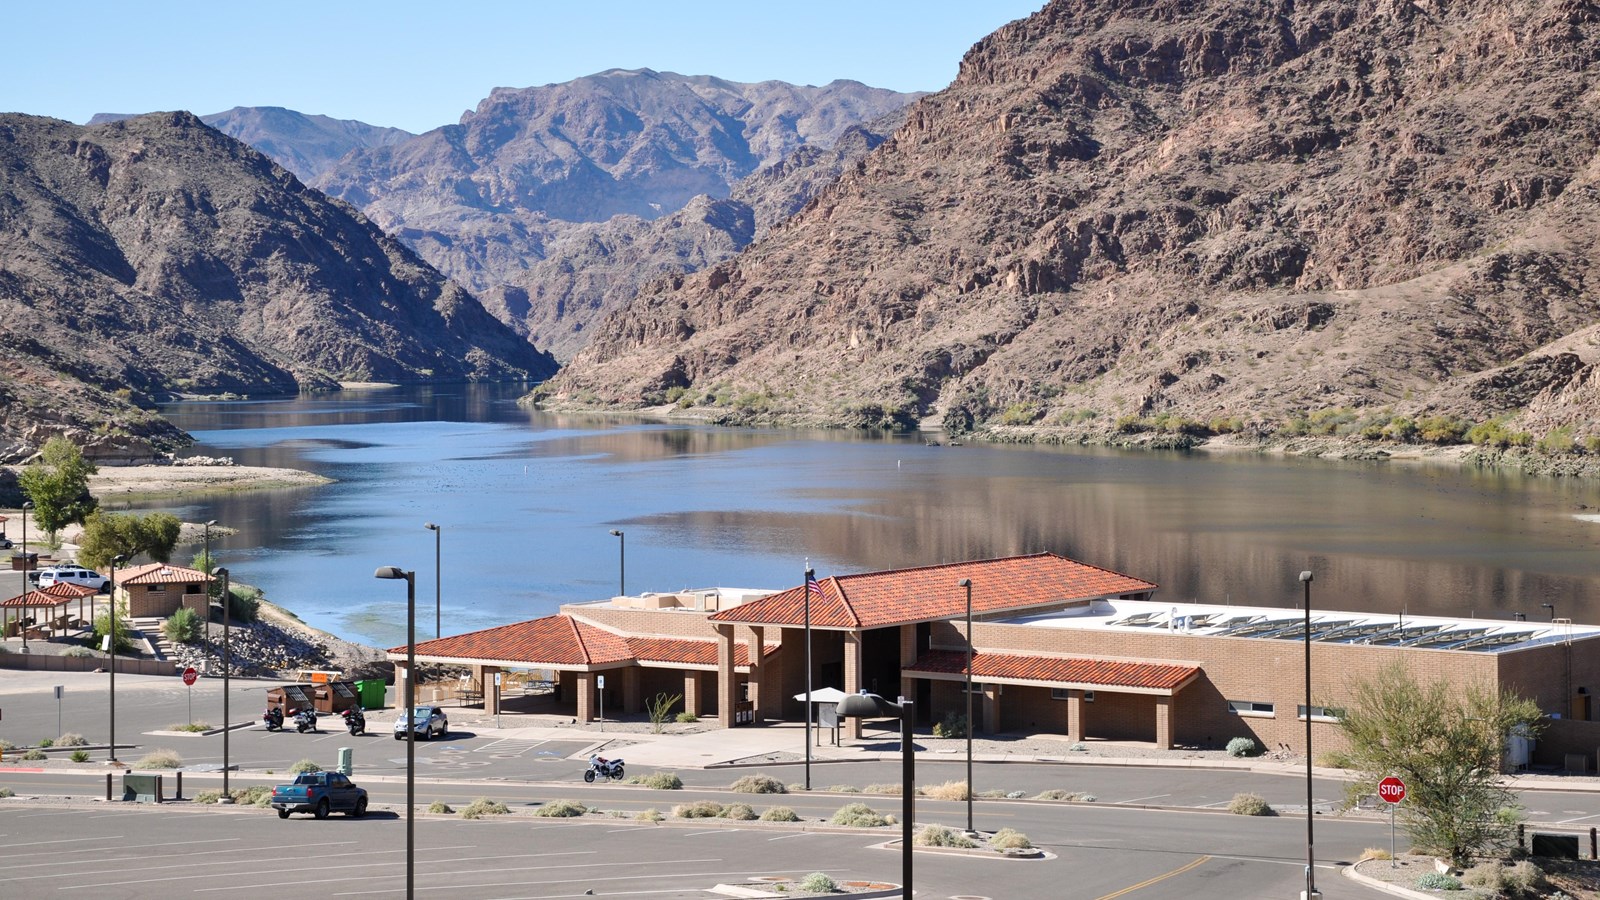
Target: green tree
(1447,742)
(58,484)
(102,627)
(106,535)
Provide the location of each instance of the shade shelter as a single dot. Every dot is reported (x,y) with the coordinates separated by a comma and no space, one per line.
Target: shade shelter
(47,608)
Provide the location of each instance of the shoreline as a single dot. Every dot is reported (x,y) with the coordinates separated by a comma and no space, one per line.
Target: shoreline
(147,481)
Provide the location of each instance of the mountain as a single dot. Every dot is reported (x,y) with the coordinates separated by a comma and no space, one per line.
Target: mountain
(155,256)
(1184,216)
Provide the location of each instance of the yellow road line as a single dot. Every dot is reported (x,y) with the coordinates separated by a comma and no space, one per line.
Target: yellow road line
(1149,881)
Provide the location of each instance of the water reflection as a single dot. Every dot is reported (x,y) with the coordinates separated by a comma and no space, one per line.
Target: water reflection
(526,500)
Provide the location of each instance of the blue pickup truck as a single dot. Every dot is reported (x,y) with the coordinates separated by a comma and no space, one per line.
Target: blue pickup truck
(319,793)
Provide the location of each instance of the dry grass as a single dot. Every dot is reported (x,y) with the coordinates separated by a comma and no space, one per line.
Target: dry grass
(950,790)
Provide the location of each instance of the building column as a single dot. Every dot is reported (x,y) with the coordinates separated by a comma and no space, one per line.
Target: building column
(758,673)
(908,655)
(693,686)
(632,701)
(991,708)
(585,696)
(852,679)
(1075,715)
(727,677)
(1163,723)
(491,691)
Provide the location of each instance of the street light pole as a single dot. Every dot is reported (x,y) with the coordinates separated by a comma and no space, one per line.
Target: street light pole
(227,664)
(967,583)
(1311,856)
(209,566)
(111,638)
(622,563)
(395,572)
(27,505)
(438,575)
(811,582)
(865,705)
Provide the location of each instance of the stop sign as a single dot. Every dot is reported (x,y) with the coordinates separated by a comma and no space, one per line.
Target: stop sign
(190,675)
(1392,789)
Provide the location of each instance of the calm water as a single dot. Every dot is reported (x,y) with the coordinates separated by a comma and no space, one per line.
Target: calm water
(527,499)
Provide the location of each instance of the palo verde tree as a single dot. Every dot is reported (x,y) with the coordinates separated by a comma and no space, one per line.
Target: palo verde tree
(58,484)
(1448,743)
(106,535)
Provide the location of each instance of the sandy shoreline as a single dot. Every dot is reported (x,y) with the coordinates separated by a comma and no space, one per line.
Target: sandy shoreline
(161,481)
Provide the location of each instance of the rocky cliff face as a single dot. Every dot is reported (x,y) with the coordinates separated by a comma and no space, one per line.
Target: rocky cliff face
(1238,208)
(155,256)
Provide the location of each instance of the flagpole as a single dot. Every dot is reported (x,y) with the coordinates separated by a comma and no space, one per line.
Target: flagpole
(810,579)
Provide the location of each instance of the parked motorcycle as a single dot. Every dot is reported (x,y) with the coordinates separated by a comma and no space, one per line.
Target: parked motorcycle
(355,720)
(600,767)
(272,718)
(306,720)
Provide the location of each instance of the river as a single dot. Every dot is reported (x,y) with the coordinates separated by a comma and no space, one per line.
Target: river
(526,501)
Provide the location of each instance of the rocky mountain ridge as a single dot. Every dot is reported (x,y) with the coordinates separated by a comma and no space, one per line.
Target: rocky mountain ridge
(1178,217)
(156,256)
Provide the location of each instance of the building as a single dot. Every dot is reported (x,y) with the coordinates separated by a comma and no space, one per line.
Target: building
(158,589)
(1059,647)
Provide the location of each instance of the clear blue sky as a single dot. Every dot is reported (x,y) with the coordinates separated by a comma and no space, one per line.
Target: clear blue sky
(418,65)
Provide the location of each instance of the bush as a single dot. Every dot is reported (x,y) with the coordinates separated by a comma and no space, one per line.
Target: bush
(182,627)
(1375,853)
(483,806)
(660,781)
(244,604)
(1526,878)
(1435,881)
(699,809)
(758,784)
(77,652)
(1019,414)
(34,755)
(561,809)
(7,745)
(1010,839)
(842,789)
(687,717)
(1249,805)
(1333,759)
(818,883)
(441,808)
(953,725)
(80,756)
(72,739)
(892,790)
(304,766)
(650,815)
(258,795)
(940,836)
(858,815)
(195,727)
(1058,794)
(779,814)
(7,792)
(102,627)
(160,759)
(1241,746)
(739,811)
(950,790)
(47,743)
(208,796)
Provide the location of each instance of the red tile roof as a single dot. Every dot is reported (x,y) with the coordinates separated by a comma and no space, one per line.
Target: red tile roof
(690,652)
(565,641)
(57,594)
(1103,672)
(930,593)
(160,573)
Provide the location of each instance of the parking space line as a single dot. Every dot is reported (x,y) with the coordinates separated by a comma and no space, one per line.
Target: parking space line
(1142,799)
(502,884)
(451,887)
(117,837)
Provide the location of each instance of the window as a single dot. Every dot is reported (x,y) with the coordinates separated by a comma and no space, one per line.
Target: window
(1321,713)
(1251,708)
(977,687)
(1064,693)
(155,589)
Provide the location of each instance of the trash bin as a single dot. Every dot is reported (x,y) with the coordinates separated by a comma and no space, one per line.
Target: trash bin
(372,692)
(346,761)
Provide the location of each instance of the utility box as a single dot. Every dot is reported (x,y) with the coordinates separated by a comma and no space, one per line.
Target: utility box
(141,788)
(346,761)
(1555,846)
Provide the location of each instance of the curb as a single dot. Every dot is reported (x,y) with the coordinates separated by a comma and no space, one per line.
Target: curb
(1394,889)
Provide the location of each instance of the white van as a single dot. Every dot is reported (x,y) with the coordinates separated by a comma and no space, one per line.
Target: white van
(70,574)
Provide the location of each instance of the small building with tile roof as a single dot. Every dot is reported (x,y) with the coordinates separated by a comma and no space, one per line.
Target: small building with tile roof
(158,589)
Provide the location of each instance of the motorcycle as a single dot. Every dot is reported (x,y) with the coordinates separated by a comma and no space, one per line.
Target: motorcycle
(600,767)
(306,720)
(355,721)
(272,718)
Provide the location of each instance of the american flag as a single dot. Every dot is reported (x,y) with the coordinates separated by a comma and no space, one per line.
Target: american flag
(813,589)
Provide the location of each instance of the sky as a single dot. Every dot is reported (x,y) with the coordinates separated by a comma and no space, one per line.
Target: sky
(417,65)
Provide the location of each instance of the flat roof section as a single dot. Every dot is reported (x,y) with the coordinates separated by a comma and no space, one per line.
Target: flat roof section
(1327,626)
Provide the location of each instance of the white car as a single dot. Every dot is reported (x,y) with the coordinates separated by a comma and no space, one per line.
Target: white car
(426,720)
(71,575)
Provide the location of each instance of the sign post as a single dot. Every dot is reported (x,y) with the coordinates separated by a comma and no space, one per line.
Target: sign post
(1392,790)
(58,709)
(601,692)
(189,676)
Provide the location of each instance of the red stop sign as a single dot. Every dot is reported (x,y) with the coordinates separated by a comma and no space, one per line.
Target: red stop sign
(190,676)
(1392,789)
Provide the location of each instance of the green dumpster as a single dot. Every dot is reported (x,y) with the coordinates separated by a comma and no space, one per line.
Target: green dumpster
(372,692)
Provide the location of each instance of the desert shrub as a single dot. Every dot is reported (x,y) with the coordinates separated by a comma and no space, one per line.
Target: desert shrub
(842,789)
(758,784)
(739,811)
(72,739)
(7,745)
(34,754)
(195,727)
(891,789)
(304,766)
(102,627)
(244,603)
(182,627)
(650,815)
(210,796)
(159,759)
(699,809)
(483,806)
(940,836)
(77,652)
(1249,805)
(561,809)
(1591,444)
(439,807)
(953,725)
(1058,794)
(1333,759)
(858,815)
(7,792)
(818,883)
(1489,875)
(660,781)
(949,790)
(1401,428)
(687,717)
(1557,442)
(1441,429)
(1375,853)
(1436,881)
(1226,425)
(1010,839)
(1019,414)
(47,743)
(1526,878)
(254,795)
(780,814)
(80,756)
(1241,746)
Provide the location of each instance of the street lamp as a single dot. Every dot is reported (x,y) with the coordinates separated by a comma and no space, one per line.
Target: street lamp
(1311,857)
(622,563)
(437,576)
(872,706)
(395,572)
(227,663)
(209,566)
(27,505)
(967,583)
(111,646)
(811,587)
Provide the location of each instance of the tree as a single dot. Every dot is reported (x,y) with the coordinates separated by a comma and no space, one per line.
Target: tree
(1447,743)
(58,484)
(106,535)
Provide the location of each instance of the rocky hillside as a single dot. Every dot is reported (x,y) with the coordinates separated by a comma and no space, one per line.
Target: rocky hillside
(1191,216)
(156,256)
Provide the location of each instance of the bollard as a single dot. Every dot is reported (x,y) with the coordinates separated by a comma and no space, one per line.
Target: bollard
(179,794)
(1521,844)
(108,787)
(1594,844)
(158,788)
